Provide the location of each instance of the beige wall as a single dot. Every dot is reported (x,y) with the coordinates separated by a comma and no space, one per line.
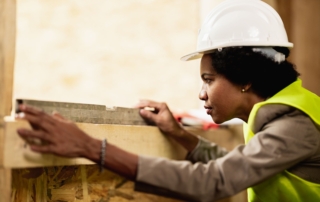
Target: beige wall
(107,52)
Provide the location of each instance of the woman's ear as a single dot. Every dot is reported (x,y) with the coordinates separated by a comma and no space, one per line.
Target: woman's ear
(245,88)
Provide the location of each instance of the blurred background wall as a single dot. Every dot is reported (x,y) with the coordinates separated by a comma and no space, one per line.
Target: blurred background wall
(302,22)
(117,52)
(107,52)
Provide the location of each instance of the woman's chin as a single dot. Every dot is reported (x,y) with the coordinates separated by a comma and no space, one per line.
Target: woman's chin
(217,120)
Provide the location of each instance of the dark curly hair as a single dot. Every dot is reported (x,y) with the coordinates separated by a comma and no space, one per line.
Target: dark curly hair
(241,66)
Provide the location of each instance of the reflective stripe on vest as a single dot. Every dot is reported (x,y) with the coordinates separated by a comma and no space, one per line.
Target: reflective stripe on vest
(286,186)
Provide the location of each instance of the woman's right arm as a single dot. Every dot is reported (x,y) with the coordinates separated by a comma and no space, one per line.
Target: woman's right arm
(198,148)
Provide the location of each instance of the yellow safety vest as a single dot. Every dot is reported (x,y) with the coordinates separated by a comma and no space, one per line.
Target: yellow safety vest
(286,186)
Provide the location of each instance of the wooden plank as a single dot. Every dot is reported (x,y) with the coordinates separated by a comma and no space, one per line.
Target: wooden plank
(146,140)
(7,47)
(80,182)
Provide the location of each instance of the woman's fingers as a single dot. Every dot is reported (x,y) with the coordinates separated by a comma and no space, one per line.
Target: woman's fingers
(58,116)
(151,104)
(52,133)
(41,148)
(36,120)
(36,117)
(149,115)
(26,134)
(30,110)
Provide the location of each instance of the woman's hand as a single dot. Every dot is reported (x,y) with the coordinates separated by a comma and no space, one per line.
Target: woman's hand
(62,137)
(164,119)
(161,116)
(58,136)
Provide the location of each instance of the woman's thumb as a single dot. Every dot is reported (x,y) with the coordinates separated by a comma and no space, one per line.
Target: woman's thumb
(147,114)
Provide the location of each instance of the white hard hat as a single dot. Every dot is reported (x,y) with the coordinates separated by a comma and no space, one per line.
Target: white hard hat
(240,23)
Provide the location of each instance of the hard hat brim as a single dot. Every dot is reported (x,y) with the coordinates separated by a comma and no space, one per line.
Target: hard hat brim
(198,54)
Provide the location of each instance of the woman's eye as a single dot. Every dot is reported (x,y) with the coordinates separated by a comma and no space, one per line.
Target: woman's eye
(207,80)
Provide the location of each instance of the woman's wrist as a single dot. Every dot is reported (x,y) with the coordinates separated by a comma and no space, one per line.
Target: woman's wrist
(186,139)
(115,159)
(92,150)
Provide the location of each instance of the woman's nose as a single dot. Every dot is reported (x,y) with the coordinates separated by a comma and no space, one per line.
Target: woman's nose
(203,95)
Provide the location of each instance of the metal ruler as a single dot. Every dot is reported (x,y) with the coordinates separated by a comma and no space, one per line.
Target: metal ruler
(88,113)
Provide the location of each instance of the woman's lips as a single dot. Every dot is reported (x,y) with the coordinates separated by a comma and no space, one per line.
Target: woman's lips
(208,109)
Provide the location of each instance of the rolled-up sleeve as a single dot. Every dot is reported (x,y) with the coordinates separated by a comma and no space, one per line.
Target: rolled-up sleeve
(206,151)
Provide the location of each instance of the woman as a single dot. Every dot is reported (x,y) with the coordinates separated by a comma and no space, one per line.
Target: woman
(249,79)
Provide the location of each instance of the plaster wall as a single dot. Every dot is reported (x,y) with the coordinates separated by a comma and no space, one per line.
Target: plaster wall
(107,52)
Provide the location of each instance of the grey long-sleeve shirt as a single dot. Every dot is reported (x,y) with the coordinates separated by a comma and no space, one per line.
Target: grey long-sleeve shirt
(285,139)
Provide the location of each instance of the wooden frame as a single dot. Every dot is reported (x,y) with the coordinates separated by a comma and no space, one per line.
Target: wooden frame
(146,140)
(37,177)
(7,47)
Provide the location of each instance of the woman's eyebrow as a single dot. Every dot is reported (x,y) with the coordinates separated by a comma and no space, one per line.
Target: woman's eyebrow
(206,74)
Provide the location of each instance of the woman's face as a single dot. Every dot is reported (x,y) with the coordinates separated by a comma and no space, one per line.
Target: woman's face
(223,99)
